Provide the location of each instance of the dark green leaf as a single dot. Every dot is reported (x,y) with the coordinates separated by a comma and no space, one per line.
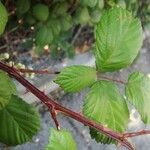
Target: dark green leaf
(41,12)
(60,8)
(54,25)
(7,88)
(61,140)
(105,105)
(75,78)
(118,40)
(23,6)
(3,17)
(19,122)
(66,22)
(138,93)
(30,19)
(44,36)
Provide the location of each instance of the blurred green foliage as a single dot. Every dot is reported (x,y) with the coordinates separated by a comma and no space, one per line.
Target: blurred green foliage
(50,20)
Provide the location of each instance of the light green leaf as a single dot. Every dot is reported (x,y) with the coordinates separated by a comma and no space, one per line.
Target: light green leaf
(122,3)
(61,140)
(105,105)
(95,15)
(100,4)
(19,122)
(23,6)
(138,93)
(76,78)
(3,17)
(7,88)
(118,39)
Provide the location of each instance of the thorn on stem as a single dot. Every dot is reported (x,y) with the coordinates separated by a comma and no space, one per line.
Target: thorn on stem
(54,116)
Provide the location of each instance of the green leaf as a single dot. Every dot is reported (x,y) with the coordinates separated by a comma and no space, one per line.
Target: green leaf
(60,8)
(82,16)
(90,3)
(122,3)
(95,15)
(118,39)
(23,6)
(19,122)
(100,4)
(30,19)
(7,88)
(3,17)
(76,78)
(61,140)
(54,25)
(69,49)
(44,36)
(41,12)
(105,105)
(138,93)
(66,22)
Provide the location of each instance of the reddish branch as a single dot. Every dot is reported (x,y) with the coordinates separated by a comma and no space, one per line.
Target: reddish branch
(115,80)
(38,71)
(54,116)
(55,107)
(57,72)
(133,134)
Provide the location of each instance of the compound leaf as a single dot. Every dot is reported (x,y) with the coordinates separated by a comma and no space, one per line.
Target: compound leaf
(105,105)
(138,93)
(118,39)
(75,78)
(19,122)
(62,140)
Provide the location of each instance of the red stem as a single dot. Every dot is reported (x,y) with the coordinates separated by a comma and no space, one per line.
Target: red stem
(133,134)
(115,80)
(37,71)
(54,116)
(52,104)
(57,72)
